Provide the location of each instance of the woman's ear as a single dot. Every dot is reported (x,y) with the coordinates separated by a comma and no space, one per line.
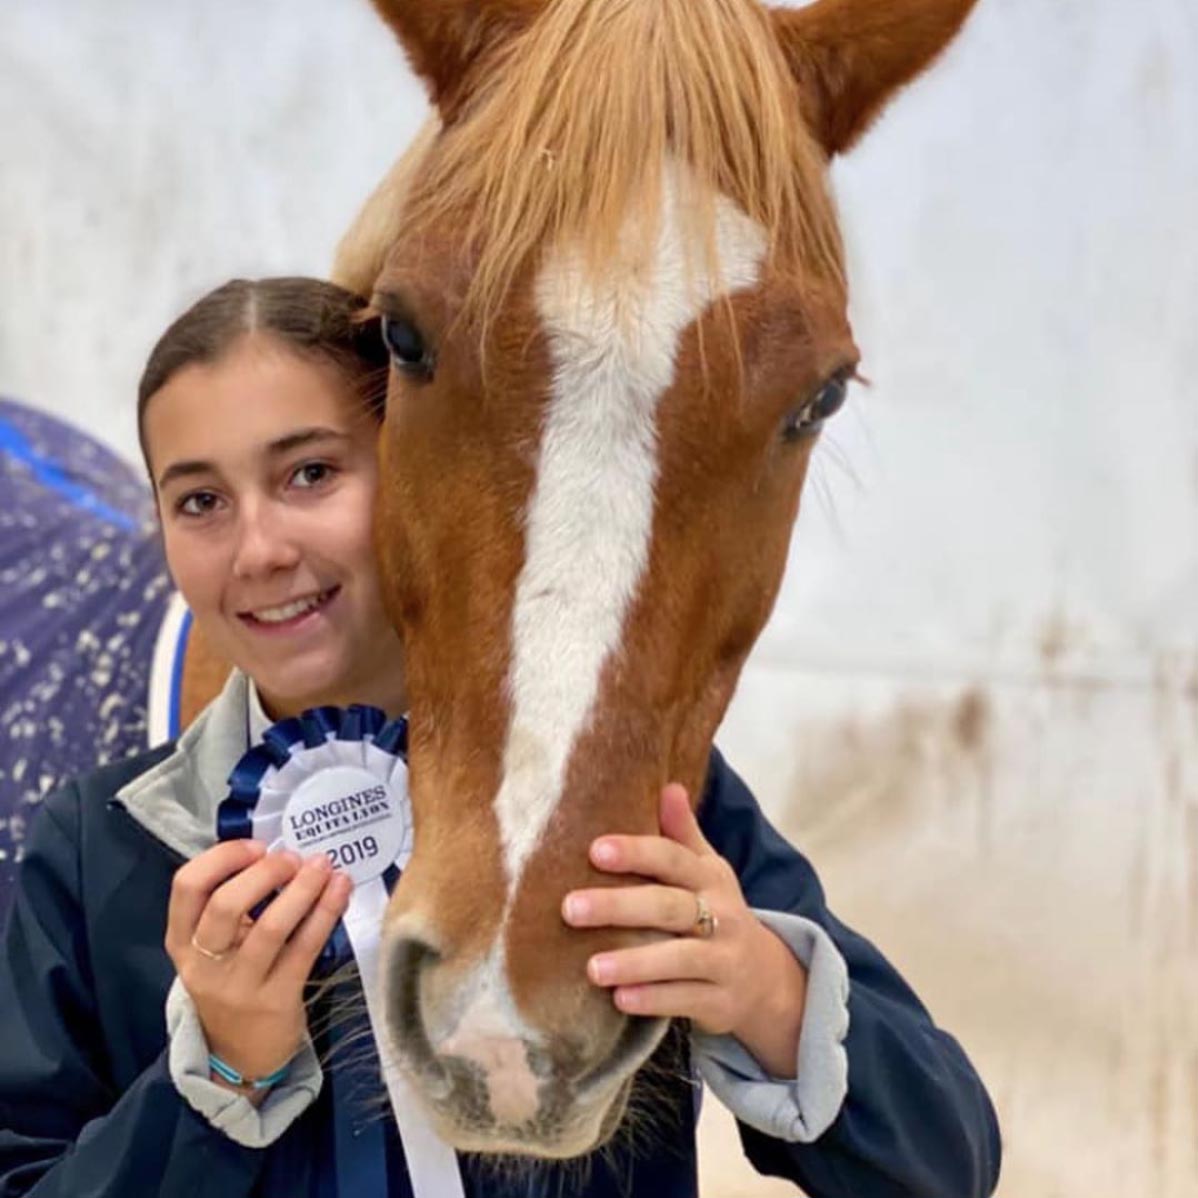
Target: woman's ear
(851,56)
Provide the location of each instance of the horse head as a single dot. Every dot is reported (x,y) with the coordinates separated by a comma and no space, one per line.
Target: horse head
(611,280)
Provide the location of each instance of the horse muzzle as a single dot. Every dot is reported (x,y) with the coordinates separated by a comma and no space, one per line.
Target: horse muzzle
(491,1080)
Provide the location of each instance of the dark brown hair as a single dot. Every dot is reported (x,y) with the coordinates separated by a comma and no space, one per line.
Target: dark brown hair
(309,316)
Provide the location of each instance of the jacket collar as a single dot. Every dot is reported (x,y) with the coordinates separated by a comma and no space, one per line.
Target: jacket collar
(176,800)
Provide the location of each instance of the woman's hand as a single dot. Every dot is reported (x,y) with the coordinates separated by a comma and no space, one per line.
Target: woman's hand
(245,976)
(740,980)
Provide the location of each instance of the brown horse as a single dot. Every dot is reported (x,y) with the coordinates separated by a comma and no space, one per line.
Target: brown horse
(611,279)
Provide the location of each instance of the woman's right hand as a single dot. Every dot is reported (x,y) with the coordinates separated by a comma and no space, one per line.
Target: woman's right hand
(250,999)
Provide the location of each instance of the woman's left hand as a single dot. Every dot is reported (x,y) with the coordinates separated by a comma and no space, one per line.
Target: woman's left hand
(740,980)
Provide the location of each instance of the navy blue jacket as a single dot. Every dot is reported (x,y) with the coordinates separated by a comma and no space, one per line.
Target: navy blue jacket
(88,1109)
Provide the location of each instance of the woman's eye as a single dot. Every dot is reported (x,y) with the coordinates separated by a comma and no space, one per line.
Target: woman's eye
(406,346)
(311,474)
(809,419)
(198,503)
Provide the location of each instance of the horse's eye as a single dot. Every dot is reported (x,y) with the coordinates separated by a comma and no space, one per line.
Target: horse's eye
(406,346)
(809,419)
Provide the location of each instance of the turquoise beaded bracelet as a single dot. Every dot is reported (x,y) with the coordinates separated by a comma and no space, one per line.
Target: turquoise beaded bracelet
(229,1074)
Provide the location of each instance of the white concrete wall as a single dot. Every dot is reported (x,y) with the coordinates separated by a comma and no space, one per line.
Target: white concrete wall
(150,151)
(977,704)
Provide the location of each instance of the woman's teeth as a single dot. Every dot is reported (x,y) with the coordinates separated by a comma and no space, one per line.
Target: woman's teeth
(289,611)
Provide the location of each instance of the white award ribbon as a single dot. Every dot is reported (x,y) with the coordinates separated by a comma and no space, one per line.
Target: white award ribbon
(347,797)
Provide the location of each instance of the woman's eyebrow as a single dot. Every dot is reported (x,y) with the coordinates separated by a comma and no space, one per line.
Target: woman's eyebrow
(183,470)
(276,448)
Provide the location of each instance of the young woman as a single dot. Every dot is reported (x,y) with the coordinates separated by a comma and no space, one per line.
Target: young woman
(137,985)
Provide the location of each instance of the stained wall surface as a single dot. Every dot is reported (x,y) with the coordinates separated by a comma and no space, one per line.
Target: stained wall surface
(977,703)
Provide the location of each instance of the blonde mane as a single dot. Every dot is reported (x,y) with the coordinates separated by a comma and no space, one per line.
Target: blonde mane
(574,120)
(362,251)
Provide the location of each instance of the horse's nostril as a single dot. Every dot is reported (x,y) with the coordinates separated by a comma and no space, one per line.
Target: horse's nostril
(411,954)
(409,958)
(639,1036)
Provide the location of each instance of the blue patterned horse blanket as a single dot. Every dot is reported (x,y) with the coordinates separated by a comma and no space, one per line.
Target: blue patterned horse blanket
(83,594)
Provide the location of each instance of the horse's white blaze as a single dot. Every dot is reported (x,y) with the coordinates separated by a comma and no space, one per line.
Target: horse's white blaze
(589,522)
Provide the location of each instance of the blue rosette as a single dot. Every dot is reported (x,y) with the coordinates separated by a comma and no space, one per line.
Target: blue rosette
(331,780)
(334,781)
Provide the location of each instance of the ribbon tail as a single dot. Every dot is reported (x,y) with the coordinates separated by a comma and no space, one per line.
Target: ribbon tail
(432,1164)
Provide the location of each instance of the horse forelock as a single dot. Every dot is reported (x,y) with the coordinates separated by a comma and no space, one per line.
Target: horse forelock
(565,136)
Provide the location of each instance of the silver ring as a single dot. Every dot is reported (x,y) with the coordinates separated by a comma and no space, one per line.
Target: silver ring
(706,924)
(207,952)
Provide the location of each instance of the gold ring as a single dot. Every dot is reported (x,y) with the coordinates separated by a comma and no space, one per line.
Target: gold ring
(207,952)
(706,924)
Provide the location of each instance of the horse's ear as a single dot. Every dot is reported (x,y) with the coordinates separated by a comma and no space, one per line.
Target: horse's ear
(851,56)
(447,39)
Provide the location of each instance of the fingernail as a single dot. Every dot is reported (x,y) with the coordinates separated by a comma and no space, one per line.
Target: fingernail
(292,858)
(604,853)
(320,863)
(343,883)
(575,908)
(600,968)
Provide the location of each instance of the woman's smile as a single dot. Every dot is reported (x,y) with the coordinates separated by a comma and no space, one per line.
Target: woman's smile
(302,614)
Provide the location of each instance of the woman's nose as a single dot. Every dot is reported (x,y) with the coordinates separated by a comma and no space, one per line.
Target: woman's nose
(264,544)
